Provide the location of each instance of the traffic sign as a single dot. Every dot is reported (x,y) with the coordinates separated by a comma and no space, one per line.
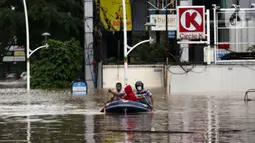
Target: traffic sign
(79,88)
(171,34)
(191,22)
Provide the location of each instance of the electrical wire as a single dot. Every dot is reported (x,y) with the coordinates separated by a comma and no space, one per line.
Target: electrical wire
(185,69)
(88,56)
(88,51)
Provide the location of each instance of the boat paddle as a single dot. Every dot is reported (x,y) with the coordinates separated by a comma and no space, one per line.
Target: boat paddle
(102,110)
(148,104)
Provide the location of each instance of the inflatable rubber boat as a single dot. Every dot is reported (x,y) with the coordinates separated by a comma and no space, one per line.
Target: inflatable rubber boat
(126,106)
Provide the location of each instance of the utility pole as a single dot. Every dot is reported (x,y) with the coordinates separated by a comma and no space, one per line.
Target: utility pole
(166,83)
(166,38)
(166,47)
(97,48)
(126,46)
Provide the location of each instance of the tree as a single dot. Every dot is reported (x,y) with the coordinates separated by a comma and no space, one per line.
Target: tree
(251,49)
(62,19)
(150,53)
(58,65)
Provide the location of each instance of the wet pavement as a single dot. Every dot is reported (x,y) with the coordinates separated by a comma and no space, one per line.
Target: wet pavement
(58,117)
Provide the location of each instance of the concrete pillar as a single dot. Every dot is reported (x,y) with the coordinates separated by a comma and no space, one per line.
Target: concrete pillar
(88,45)
(185,47)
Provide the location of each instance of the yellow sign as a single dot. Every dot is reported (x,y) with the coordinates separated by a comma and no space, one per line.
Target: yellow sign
(111,14)
(19,53)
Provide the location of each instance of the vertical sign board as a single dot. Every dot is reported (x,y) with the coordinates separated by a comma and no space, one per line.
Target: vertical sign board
(191,22)
(160,22)
(171,34)
(79,88)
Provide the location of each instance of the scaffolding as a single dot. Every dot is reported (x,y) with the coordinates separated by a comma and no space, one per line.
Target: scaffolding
(235,29)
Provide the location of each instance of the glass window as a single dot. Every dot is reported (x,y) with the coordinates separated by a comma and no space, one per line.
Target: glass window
(160,3)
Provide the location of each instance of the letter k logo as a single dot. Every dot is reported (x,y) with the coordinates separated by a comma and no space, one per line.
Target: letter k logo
(190,19)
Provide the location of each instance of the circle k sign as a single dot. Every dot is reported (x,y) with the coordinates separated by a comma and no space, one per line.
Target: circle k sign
(191,22)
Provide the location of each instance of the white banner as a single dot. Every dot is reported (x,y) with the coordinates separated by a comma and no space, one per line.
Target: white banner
(16,48)
(14,59)
(160,21)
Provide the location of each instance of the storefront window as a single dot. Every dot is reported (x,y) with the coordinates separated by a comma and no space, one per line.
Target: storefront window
(161,3)
(223,4)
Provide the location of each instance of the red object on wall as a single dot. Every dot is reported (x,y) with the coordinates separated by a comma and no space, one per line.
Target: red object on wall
(224,46)
(94,66)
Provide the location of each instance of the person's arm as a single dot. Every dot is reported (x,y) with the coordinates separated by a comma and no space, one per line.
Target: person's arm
(143,91)
(152,100)
(140,97)
(151,97)
(111,99)
(124,96)
(114,93)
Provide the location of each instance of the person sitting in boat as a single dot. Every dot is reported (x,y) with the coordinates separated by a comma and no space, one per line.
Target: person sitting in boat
(129,94)
(143,95)
(118,94)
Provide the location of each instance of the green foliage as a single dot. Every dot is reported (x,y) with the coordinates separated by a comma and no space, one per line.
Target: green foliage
(112,60)
(152,53)
(58,65)
(62,19)
(251,48)
(148,52)
(156,52)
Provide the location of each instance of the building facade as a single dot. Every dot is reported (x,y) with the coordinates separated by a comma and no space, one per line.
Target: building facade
(110,49)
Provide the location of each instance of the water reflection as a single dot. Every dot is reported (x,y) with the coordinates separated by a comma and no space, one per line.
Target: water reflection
(50,117)
(89,128)
(28,119)
(121,123)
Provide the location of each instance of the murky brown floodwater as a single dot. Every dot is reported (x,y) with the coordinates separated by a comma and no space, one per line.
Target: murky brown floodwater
(43,117)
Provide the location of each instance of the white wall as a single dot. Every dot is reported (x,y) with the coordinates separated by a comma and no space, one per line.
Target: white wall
(185,47)
(150,75)
(213,79)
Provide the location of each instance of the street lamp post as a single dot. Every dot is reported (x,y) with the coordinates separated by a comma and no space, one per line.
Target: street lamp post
(126,47)
(28,63)
(46,34)
(28,51)
(27,47)
(150,24)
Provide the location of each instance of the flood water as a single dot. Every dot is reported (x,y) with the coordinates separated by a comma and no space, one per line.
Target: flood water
(43,117)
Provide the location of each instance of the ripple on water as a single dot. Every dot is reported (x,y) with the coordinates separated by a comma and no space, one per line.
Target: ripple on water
(57,116)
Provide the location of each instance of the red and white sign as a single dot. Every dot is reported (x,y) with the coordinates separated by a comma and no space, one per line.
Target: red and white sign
(191,22)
